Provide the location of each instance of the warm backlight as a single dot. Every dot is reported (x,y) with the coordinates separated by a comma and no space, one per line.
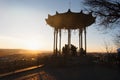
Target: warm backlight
(32,45)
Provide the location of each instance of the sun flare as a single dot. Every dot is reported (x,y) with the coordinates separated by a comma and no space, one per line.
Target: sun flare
(32,45)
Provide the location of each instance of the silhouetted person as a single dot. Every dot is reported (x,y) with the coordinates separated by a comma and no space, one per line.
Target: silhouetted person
(65,50)
(82,51)
(73,50)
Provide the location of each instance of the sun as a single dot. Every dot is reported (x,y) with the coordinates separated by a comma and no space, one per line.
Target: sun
(32,45)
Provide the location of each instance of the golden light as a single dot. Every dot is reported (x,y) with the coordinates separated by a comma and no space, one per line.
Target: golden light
(32,45)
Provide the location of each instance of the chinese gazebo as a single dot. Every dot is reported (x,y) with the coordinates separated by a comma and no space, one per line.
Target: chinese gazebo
(70,21)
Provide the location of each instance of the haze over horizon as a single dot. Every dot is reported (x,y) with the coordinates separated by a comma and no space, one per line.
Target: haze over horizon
(23,25)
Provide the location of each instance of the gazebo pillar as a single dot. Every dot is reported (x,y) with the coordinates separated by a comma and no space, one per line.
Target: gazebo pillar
(59,41)
(79,39)
(81,43)
(69,41)
(56,50)
(85,40)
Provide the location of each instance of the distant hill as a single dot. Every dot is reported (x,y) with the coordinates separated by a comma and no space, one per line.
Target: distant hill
(5,52)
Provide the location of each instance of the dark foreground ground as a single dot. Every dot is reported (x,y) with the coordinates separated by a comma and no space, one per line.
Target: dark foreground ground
(78,72)
(70,68)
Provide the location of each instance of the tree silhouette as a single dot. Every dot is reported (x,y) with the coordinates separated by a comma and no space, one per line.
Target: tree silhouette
(108,10)
(117,39)
(109,13)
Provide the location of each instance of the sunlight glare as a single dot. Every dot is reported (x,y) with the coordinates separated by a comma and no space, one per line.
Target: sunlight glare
(32,45)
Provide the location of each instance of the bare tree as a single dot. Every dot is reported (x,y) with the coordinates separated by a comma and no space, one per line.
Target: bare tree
(117,39)
(108,10)
(108,47)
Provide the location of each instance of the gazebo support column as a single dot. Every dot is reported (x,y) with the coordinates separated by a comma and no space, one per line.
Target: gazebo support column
(56,51)
(85,40)
(69,41)
(59,41)
(79,40)
(81,37)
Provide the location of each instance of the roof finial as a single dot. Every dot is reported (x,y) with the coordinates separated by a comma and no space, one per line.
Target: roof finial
(57,12)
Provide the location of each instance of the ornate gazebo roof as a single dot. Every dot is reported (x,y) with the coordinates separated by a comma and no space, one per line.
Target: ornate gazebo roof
(70,20)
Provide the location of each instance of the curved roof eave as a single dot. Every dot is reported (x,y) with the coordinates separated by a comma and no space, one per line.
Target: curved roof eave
(70,20)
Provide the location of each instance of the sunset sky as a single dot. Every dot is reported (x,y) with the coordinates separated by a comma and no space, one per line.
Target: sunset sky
(23,26)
